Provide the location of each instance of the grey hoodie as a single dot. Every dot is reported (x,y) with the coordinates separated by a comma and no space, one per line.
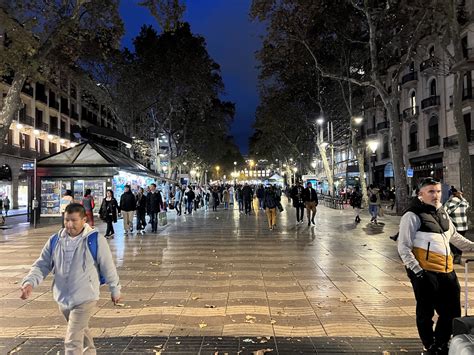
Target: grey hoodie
(82,283)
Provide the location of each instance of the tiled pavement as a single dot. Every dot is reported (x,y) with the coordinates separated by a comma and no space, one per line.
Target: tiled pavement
(219,282)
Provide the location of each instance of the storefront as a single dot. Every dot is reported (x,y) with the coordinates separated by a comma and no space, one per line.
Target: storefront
(427,166)
(88,166)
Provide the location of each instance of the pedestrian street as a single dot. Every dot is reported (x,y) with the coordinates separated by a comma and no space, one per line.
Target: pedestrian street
(218,282)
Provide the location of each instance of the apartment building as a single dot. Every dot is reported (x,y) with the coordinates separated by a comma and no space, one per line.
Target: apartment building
(430,145)
(54,116)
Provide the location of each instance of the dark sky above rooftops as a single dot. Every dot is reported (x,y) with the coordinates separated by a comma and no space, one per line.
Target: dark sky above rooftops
(232,40)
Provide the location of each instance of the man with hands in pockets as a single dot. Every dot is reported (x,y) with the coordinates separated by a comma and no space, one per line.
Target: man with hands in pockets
(77,275)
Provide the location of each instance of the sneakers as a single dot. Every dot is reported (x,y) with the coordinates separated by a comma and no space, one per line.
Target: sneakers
(110,236)
(357,219)
(309,223)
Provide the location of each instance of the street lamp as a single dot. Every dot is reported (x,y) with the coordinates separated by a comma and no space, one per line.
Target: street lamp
(217,170)
(373,145)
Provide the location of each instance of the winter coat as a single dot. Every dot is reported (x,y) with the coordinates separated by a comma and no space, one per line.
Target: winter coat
(141,203)
(297,196)
(310,197)
(108,210)
(128,202)
(270,199)
(154,202)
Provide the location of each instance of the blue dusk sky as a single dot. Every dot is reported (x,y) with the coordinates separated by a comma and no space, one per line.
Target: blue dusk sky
(232,40)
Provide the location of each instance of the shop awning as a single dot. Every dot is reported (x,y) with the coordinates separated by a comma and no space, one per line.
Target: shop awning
(93,155)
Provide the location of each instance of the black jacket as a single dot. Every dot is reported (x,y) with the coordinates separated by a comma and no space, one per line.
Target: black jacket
(310,197)
(270,199)
(154,202)
(141,203)
(297,196)
(247,193)
(128,202)
(260,192)
(108,210)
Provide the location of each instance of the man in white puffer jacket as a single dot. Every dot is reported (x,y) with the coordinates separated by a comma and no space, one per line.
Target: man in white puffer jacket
(76,276)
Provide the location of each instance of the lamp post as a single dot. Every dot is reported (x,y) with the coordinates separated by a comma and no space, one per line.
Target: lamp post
(295,169)
(217,171)
(373,145)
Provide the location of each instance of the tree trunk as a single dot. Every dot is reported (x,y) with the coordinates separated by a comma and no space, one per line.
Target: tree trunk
(11,105)
(401,191)
(327,168)
(359,153)
(464,157)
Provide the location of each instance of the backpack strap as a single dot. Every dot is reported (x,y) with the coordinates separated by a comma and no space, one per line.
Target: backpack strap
(53,241)
(93,246)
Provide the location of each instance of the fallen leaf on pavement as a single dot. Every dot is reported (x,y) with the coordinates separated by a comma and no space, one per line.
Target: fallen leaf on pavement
(273,321)
(120,304)
(262,351)
(195,298)
(180,305)
(248,340)
(344,299)
(250,319)
(209,306)
(155,264)
(202,325)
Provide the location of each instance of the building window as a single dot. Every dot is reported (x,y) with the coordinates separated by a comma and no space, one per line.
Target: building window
(9,138)
(39,145)
(52,148)
(413,138)
(468,125)
(413,101)
(433,87)
(412,66)
(431,52)
(433,132)
(24,141)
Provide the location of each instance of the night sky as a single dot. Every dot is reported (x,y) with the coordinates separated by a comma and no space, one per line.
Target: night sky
(231,41)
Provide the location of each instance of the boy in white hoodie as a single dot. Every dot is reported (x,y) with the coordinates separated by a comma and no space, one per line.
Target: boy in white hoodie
(69,255)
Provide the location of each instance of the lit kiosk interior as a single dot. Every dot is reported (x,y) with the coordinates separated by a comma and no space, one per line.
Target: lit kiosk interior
(86,166)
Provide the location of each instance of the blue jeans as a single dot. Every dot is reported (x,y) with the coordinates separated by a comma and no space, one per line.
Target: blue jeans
(373,210)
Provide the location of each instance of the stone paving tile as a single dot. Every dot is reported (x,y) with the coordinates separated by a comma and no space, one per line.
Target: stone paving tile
(299,283)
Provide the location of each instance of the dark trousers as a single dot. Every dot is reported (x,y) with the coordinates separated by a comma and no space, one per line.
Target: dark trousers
(455,250)
(153,221)
(110,227)
(178,208)
(438,292)
(241,205)
(248,205)
(189,206)
(141,221)
(299,212)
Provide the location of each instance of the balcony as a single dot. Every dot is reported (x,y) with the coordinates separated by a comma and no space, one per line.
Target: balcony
(430,102)
(383,126)
(411,77)
(371,131)
(42,126)
(54,131)
(411,113)
(432,142)
(25,119)
(450,142)
(413,146)
(431,63)
(54,104)
(19,152)
(65,135)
